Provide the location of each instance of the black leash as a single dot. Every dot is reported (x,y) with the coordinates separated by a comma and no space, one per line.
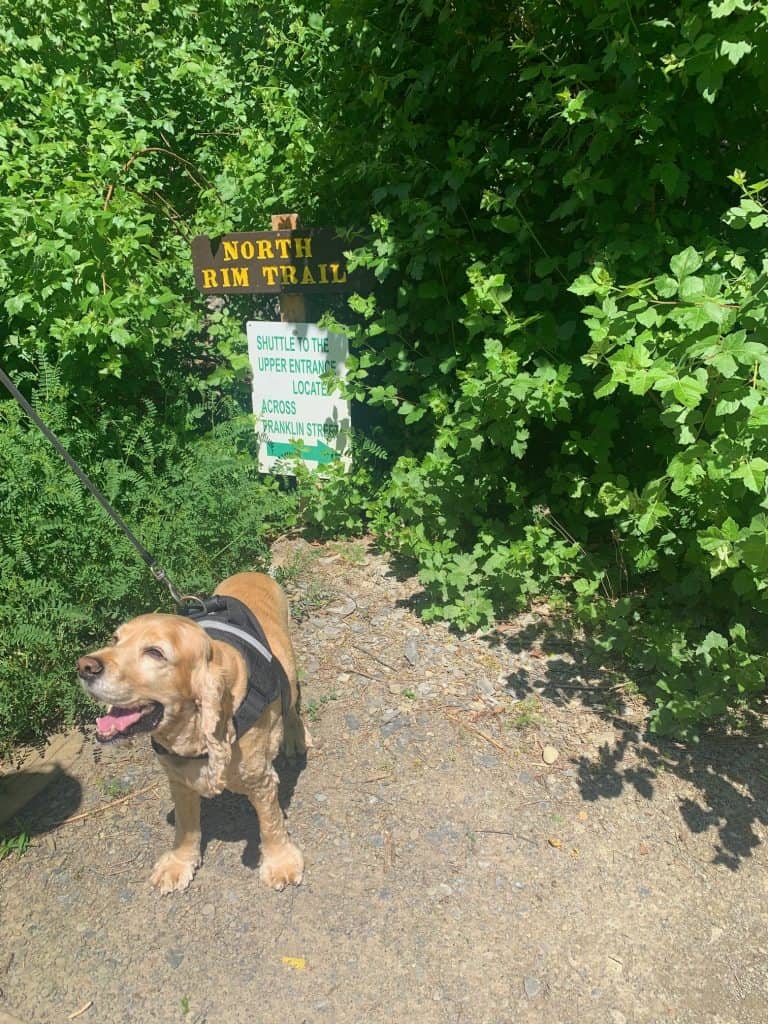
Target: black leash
(158,572)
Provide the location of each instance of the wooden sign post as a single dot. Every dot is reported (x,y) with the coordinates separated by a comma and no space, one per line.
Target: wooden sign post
(293,305)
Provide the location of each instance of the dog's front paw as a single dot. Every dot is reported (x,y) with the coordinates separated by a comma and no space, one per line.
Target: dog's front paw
(281,867)
(173,873)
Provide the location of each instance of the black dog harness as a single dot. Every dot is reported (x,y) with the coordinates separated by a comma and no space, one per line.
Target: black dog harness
(229,620)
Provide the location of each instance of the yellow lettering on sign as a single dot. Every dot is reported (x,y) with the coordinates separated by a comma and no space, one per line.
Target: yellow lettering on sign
(240,277)
(283,245)
(225,277)
(230,250)
(323,268)
(303,248)
(209,278)
(246,250)
(288,275)
(271,275)
(337,278)
(306,277)
(265,249)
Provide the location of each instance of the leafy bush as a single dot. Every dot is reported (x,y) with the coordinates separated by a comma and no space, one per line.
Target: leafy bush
(617,451)
(69,576)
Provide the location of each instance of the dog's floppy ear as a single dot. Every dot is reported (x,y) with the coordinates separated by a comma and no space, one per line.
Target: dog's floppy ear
(215,701)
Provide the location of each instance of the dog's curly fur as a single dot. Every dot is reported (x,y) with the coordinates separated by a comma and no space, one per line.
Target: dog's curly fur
(199,682)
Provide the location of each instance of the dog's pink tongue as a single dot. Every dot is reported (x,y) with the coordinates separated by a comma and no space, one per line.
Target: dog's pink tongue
(117,720)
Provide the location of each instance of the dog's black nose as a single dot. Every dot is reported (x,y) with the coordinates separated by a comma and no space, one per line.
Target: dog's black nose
(89,667)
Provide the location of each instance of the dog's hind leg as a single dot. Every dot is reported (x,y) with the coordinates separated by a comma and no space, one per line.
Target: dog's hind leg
(296,736)
(174,870)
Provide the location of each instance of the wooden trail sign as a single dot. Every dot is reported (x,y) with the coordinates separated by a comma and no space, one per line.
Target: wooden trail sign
(274,262)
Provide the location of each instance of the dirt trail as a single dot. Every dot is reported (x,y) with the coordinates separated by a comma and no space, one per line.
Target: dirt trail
(452,876)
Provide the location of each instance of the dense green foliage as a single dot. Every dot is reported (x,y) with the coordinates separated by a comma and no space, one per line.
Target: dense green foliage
(125,131)
(565,359)
(69,576)
(572,340)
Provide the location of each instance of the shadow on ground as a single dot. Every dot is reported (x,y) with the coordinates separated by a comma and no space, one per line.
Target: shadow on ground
(728,772)
(60,797)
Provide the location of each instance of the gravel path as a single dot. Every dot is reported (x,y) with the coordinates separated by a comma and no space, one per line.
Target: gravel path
(452,875)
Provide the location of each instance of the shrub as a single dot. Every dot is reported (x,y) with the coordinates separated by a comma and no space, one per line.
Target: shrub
(69,576)
(614,452)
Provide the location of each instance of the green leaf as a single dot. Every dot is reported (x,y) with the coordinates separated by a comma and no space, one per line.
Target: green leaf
(754,552)
(648,317)
(689,391)
(652,516)
(685,263)
(665,286)
(691,288)
(735,51)
(712,642)
(583,285)
(726,7)
(606,387)
(753,474)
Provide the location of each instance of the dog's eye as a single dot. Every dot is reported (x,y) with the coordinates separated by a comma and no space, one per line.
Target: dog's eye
(154,652)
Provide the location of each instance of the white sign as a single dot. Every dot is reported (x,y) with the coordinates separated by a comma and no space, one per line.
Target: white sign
(296,414)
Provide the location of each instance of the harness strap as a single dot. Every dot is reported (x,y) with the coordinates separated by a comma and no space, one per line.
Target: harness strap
(215,626)
(243,718)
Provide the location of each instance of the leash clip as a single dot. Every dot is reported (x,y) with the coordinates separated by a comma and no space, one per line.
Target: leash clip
(160,575)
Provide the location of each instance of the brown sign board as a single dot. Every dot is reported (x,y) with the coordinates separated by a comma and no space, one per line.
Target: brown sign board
(274,262)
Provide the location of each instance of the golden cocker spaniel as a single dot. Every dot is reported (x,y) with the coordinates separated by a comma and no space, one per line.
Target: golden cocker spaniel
(165,676)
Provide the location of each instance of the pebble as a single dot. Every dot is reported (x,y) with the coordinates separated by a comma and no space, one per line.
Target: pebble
(390,728)
(321,798)
(352,722)
(389,715)
(549,755)
(174,957)
(342,608)
(438,836)
(532,986)
(617,1017)
(411,651)
(208,910)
